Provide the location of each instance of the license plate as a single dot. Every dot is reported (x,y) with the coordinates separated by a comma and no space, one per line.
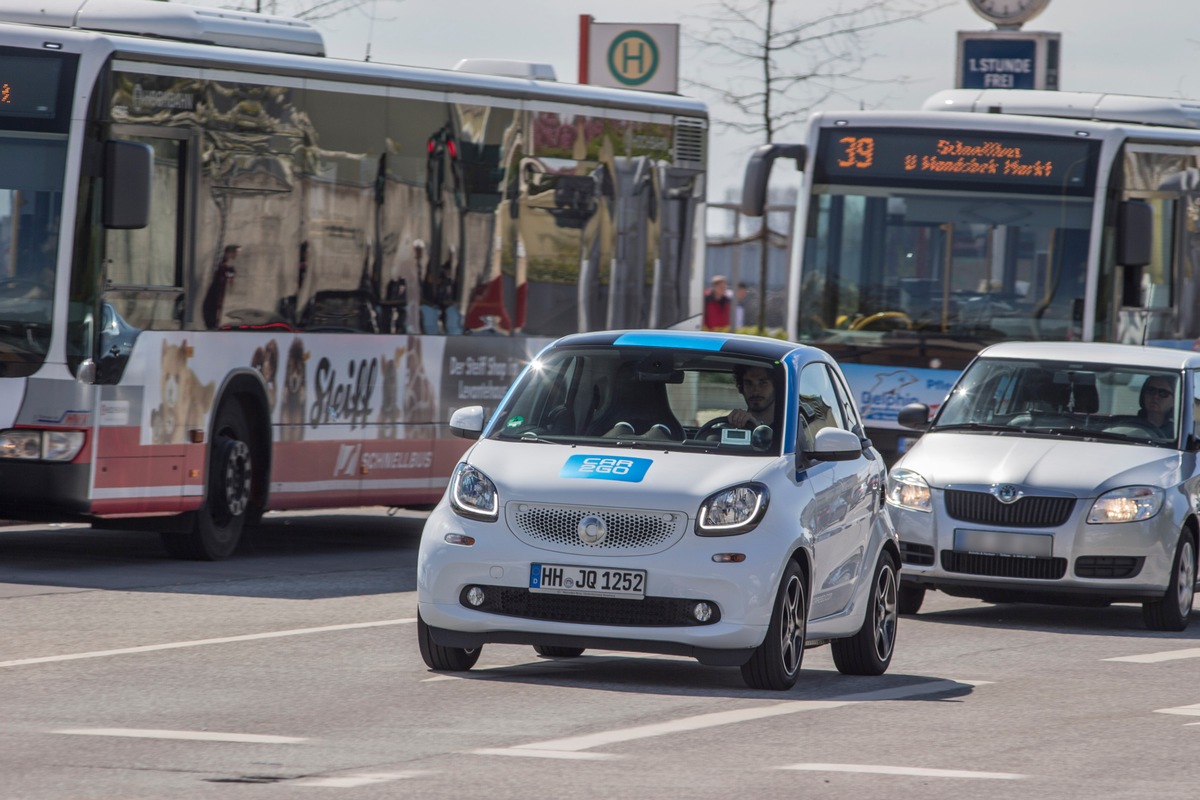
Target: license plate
(1021,545)
(590,581)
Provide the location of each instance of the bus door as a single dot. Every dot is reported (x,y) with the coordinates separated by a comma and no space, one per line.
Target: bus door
(151,397)
(1159,303)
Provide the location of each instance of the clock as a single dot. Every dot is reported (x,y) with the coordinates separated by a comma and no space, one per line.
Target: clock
(1008,13)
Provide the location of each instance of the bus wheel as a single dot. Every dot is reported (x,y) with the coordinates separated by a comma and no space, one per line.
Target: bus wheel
(217,526)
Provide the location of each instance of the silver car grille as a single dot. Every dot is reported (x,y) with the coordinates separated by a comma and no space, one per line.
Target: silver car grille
(555,527)
(1027,512)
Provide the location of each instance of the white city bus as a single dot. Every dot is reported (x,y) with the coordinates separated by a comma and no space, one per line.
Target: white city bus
(924,236)
(237,276)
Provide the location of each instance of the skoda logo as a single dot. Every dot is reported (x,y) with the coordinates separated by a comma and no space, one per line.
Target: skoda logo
(592,529)
(1006,493)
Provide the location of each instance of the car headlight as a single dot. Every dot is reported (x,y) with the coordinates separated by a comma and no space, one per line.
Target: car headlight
(472,494)
(907,489)
(1127,504)
(737,509)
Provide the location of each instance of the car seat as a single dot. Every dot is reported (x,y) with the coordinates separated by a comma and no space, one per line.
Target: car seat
(640,404)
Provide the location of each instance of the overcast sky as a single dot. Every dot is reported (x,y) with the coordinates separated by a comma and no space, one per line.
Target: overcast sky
(1147,47)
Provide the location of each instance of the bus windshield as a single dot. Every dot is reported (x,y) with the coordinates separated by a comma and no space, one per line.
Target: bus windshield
(902,248)
(31,184)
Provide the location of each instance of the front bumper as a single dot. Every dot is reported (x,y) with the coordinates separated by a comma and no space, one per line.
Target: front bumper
(1106,562)
(678,577)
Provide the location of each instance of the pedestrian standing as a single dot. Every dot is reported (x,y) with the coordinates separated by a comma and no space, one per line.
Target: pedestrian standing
(717,303)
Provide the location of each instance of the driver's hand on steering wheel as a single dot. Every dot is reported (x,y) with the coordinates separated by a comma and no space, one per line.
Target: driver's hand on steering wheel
(741,418)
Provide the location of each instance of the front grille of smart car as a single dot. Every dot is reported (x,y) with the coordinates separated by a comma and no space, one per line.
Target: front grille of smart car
(1108,566)
(999,566)
(626,532)
(1026,512)
(919,555)
(649,612)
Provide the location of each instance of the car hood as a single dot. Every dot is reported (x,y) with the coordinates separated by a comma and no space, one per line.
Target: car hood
(599,476)
(1084,469)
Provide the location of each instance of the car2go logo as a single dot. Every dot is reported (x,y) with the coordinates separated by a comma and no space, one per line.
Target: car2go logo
(606,468)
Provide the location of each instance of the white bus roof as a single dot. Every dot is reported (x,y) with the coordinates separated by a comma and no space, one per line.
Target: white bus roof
(179,34)
(1101,107)
(171,21)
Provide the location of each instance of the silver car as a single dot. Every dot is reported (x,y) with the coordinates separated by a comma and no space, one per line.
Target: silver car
(1057,472)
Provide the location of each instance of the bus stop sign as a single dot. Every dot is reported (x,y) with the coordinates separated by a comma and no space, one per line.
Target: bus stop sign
(629,56)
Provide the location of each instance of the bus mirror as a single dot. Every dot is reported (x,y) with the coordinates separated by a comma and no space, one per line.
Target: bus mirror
(1135,232)
(127,170)
(758,174)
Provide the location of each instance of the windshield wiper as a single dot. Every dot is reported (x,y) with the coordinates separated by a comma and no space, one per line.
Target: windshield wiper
(973,426)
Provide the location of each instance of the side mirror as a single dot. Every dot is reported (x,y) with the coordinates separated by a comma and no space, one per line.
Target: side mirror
(914,415)
(835,444)
(1135,233)
(758,174)
(467,422)
(128,167)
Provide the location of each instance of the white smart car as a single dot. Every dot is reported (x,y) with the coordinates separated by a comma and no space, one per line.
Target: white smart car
(1057,472)
(696,494)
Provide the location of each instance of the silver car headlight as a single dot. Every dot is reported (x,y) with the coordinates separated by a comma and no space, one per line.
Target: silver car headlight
(908,489)
(472,494)
(737,509)
(1127,504)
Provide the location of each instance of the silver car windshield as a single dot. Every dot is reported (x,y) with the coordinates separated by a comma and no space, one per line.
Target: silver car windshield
(1100,401)
(634,397)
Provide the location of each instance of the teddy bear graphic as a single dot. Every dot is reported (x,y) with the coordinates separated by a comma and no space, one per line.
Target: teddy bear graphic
(295,394)
(184,402)
(266,361)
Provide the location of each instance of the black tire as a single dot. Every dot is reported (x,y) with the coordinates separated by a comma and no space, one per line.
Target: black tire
(446,659)
(550,651)
(1171,612)
(910,598)
(216,528)
(869,652)
(775,663)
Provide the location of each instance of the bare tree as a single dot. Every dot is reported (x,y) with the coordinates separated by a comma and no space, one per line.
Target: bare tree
(780,68)
(783,68)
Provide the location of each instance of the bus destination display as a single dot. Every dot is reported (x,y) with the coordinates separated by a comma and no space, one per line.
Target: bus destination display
(29,86)
(849,155)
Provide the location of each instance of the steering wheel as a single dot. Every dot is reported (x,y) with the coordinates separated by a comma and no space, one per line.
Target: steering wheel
(711,425)
(1136,422)
(894,320)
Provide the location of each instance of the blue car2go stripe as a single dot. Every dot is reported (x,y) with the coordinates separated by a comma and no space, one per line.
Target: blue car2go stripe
(606,468)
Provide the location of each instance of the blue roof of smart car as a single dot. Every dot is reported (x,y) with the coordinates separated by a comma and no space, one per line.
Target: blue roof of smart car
(714,342)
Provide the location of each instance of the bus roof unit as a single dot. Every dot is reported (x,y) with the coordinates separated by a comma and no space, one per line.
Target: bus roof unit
(171,21)
(508,68)
(1168,112)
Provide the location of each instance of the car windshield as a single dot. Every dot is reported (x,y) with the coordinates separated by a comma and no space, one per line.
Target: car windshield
(1098,401)
(637,397)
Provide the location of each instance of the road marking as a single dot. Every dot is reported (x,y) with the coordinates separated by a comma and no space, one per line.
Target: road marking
(1154,658)
(563,748)
(195,736)
(919,772)
(361,779)
(250,637)
(1187,711)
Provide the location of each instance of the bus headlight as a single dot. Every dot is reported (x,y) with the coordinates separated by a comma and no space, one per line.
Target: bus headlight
(472,494)
(1128,504)
(907,489)
(33,445)
(734,510)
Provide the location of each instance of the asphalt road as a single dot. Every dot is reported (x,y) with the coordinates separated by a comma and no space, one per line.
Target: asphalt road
(293,671)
